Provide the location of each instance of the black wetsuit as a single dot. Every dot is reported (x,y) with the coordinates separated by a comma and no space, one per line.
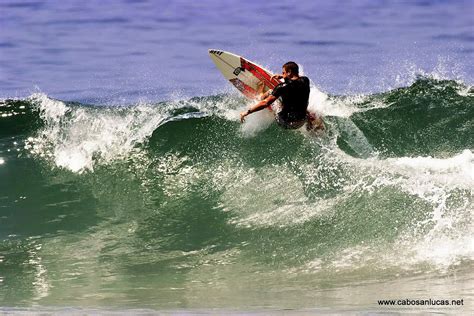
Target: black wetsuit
(294,95)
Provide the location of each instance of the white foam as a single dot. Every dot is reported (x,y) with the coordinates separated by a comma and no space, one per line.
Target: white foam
(74,138)
(444,251)
(456,169)
(444,184)
(405,73)
(320,103)
(256,122)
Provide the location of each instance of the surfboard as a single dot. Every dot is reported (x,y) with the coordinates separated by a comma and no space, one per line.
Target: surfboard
(244,74)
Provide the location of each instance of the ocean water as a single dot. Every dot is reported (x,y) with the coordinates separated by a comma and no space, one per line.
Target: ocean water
(127,183)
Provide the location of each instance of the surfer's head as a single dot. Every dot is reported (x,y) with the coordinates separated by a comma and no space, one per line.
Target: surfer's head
(290,69)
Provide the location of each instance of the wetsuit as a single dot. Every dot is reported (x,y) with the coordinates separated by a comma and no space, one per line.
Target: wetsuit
(294,95)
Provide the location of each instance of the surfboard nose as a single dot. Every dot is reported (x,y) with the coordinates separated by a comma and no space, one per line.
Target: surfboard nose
(216,52)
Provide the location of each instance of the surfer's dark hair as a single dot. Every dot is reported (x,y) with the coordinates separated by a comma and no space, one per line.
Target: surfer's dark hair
(291,67)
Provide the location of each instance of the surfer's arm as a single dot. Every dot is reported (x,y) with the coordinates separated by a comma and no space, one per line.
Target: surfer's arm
(259,106)
(265,95)
(278,77)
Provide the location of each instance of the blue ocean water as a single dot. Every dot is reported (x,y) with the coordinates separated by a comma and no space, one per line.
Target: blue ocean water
(152,50)
(128,184)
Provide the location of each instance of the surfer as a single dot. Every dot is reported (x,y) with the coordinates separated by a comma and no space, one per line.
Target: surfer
(294,92)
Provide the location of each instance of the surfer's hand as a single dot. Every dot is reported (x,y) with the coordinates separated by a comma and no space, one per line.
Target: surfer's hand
(243,115)
(278,77)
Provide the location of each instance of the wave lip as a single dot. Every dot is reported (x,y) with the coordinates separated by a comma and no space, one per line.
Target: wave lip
(75,137)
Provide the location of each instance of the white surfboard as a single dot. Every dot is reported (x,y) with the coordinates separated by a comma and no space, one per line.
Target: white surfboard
(242,73)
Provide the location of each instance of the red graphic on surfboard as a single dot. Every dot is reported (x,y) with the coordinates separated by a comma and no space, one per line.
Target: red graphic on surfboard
(263,76)
(259,73)
(248,91)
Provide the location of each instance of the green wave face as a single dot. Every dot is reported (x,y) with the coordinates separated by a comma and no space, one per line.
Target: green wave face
(109,206)
(430,117)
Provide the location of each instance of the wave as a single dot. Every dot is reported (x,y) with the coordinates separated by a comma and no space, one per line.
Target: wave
(389,185)
(431,117)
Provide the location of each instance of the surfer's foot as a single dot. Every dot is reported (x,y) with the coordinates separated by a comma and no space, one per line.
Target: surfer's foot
(315,123)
